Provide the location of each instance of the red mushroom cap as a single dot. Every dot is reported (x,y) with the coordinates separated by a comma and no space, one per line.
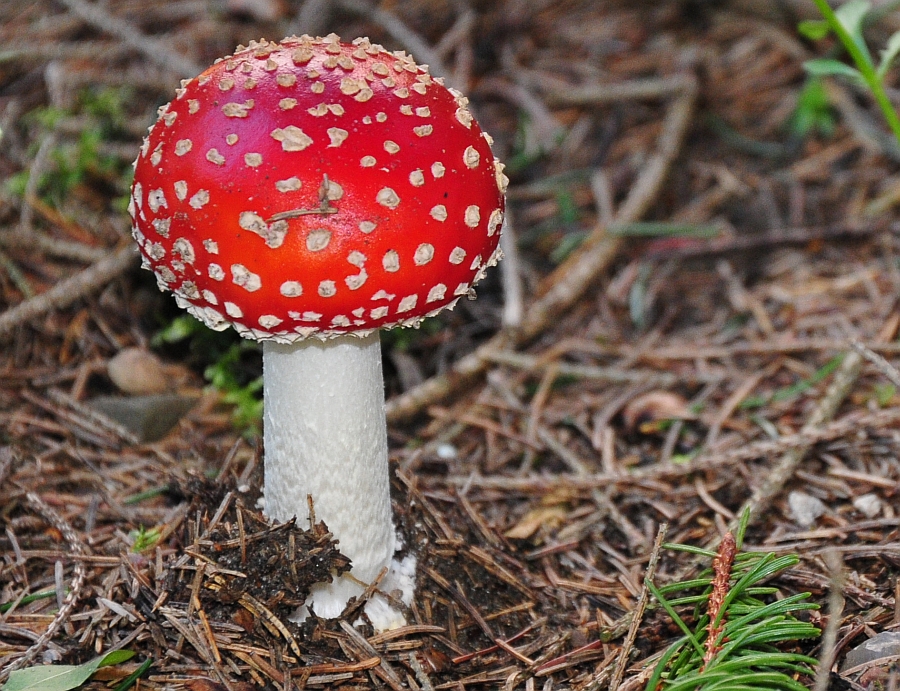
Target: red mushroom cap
(315,187)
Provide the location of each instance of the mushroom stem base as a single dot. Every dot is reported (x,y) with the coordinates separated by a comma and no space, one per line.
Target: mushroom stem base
(325,437)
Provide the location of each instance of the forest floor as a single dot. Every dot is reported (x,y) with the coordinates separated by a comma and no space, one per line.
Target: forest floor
(704,271)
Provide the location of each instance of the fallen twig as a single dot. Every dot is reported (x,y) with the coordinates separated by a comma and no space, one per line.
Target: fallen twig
(766,240)
(313,17)
(883,366)
(68,291)
(35,172)
(572,278)
(158,51)
(593,94)
(617,375)
(52,247)
(546,130)
(511,274)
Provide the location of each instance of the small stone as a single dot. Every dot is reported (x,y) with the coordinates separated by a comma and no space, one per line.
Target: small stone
(149,418)
(868,504)
(882,645)
(805,508)
(446,451)
(137,371)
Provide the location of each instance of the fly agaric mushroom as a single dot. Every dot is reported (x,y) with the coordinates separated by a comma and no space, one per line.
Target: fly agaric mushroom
(309,193)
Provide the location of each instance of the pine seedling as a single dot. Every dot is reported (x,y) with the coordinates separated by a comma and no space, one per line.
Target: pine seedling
(847,23)
(742,638)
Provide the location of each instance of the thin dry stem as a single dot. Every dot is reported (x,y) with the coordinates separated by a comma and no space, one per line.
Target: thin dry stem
(78,549)
(638,613)
(883,366)
(835,565)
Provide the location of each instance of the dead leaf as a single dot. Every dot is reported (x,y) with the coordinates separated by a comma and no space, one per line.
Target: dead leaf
(645,412)
(528,525)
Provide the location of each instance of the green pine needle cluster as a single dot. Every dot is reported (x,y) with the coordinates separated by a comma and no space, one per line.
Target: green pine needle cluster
(753,632)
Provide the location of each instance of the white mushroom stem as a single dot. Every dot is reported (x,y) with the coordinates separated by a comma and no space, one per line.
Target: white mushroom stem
(325,436)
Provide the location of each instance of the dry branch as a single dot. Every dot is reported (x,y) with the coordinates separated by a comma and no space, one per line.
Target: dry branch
(596,94)
(158,51)
(572,278)
(71,289)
